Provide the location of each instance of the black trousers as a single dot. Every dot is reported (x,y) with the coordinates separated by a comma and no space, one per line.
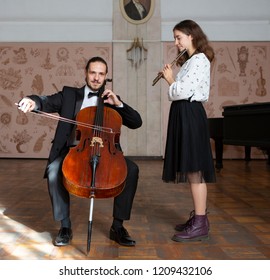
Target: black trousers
(60,197)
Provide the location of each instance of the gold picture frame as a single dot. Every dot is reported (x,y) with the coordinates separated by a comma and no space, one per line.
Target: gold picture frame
(135,16)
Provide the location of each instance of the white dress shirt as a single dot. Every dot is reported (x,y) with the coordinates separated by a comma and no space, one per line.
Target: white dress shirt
(92,100)
(192,81)
(88,101)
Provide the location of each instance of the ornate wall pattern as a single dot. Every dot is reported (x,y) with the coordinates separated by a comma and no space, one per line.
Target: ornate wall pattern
(240,75)
(41,69)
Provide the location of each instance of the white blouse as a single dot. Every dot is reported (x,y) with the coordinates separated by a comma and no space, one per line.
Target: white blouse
(192,81)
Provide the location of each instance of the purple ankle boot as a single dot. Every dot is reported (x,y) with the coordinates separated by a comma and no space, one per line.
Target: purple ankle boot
(181,227)
(196,230)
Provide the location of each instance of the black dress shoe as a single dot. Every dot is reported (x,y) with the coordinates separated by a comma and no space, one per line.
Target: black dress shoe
(121,236)
(64,237)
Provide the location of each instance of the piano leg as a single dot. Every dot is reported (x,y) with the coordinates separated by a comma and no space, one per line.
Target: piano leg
(219,152)
(267,151)
(247,153)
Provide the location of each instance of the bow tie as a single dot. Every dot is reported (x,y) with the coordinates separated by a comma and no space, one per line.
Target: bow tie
(90,94)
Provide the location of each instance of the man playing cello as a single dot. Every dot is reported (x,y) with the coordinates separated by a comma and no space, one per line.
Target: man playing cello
(67,103)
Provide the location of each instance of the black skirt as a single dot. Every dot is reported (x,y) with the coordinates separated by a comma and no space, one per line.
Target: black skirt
(188,154)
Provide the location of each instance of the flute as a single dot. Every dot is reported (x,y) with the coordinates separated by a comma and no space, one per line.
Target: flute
(159,76)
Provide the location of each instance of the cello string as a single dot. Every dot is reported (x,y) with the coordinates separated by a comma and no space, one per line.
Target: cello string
(98,121)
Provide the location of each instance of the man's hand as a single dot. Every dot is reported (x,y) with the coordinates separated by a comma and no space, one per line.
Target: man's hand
(26,105)
(111,98)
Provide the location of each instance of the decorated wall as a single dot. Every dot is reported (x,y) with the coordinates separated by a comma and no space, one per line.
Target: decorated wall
(240,75)
(38,68)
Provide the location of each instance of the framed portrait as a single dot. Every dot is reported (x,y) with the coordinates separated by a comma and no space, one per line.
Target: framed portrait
(137,11)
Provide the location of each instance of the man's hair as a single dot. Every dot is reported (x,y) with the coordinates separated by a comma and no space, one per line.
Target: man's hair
(96,59)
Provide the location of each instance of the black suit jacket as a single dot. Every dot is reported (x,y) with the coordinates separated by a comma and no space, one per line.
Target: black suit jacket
(132,11)
(67,103)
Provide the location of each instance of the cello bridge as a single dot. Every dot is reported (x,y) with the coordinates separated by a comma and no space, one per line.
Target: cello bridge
(97,140)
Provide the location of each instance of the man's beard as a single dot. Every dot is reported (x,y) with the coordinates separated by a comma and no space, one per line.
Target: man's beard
(98,85)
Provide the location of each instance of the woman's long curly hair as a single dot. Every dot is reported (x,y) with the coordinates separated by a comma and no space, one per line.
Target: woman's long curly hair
(200,40)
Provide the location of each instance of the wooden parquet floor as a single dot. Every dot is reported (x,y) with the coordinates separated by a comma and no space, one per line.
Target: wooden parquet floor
(239,206)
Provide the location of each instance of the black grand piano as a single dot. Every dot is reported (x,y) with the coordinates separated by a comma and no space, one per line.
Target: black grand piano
(245,125)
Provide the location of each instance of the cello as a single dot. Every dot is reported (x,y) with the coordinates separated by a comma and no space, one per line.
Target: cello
(95,167)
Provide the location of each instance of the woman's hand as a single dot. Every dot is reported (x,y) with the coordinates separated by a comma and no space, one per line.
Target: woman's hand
(168,74)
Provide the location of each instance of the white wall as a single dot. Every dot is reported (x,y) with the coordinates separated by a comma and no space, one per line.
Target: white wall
(230,20)
(92,21)
(55,21)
